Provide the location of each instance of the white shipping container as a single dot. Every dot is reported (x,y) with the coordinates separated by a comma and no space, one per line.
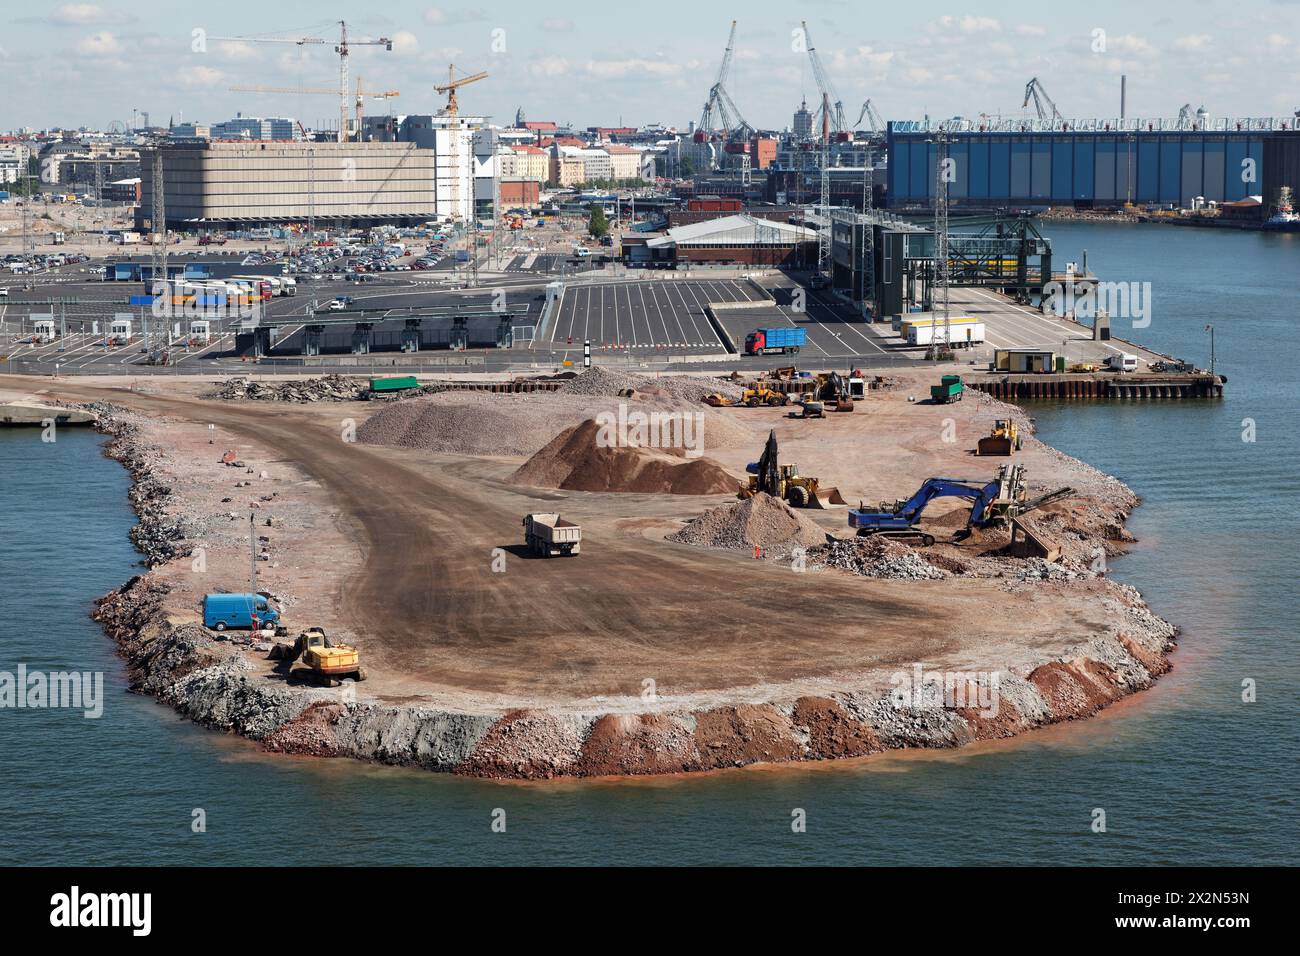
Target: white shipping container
(961,333)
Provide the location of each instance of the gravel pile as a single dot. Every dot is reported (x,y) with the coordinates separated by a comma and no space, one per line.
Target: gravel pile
(877,558)
(576,460)
(517,424)
(599,380)
(328,388)
(1036,569)
(686,389)
(758,522)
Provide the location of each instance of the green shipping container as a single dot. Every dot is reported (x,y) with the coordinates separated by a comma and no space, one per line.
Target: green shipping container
(398,384)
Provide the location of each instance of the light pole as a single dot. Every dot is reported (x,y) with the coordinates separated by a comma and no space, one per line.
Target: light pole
(1210,329)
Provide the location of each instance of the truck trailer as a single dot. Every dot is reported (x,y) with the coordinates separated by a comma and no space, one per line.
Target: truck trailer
(549,535)
(775,341)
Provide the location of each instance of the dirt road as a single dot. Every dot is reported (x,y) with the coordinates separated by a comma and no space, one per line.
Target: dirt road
(628,609)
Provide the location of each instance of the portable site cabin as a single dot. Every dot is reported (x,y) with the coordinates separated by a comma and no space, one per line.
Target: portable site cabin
(1024,360)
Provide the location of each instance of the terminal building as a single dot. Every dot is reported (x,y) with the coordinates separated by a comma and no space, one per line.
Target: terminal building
(228,185)
(1026,164)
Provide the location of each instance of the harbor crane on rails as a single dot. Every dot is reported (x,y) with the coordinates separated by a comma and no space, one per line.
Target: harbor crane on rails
(721,119)
(1043,104)
(831,112)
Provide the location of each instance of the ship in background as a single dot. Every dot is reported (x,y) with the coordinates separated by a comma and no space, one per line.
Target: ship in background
(1284,218)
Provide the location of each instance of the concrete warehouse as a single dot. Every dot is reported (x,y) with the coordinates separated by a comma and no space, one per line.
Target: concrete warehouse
(334,183)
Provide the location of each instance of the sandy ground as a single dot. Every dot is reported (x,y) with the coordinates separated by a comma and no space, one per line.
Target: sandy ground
(396,548)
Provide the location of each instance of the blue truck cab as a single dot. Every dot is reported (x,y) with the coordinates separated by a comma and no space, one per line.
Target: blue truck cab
(222,611)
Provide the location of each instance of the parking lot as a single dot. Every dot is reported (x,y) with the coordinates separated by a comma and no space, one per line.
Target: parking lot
(648,315)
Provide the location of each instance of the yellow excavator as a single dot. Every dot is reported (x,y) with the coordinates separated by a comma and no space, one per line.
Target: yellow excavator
(769,476)
(1002,440)
(327,660)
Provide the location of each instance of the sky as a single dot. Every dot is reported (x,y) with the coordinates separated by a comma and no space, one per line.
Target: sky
(647,62)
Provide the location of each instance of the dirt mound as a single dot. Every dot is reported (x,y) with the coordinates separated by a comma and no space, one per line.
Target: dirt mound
(758,522)
(576,460)
(516,425)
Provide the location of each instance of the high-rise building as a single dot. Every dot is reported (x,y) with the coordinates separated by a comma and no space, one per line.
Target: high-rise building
(803,122)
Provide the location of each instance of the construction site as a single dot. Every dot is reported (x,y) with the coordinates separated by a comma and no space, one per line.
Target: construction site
(711,572)
(550,551)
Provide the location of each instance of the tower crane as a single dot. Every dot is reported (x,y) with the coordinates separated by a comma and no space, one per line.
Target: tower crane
(361,96)
(1046,109)
(342,48)
(830,101)
(452,85)
(874,122)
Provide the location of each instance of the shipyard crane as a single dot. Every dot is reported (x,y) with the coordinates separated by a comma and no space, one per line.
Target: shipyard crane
(830,101)
(1047,110)
(361,96)
(342,48)
(874,122)
(720,113)
(452,85)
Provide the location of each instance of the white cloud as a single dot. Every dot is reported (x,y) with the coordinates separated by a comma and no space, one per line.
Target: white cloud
(439,18)
(236,50)
(203,77)
(1193,44)
(550,66)
(1031,30)
(1128,43)
(967,24)
(613,69)
(102,43)
(80,14)
(405,43)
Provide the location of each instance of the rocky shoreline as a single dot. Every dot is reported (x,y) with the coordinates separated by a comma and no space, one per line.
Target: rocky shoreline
(217,684)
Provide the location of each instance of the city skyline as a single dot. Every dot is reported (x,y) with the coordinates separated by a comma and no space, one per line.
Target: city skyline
(637,68)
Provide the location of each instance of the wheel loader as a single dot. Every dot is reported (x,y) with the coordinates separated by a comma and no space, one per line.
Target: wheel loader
(753,397)
(1002,440)
(769,476)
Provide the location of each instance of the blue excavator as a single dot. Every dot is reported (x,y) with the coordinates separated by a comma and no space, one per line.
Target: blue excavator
(992,502)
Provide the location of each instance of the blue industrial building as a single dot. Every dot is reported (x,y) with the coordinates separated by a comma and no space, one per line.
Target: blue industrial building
(1085,168)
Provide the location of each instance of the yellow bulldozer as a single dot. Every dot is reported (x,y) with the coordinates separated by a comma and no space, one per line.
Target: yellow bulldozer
(769,476)
(1002,440)
(327,660)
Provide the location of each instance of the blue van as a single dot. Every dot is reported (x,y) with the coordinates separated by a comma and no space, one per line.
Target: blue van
(221,611)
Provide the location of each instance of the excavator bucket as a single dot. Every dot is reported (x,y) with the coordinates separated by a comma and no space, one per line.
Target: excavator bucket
(844,405)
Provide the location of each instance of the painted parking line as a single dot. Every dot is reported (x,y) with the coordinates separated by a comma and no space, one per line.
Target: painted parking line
(699,336)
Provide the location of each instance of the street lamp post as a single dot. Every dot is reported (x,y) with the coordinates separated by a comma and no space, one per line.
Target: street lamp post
(1210,329)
